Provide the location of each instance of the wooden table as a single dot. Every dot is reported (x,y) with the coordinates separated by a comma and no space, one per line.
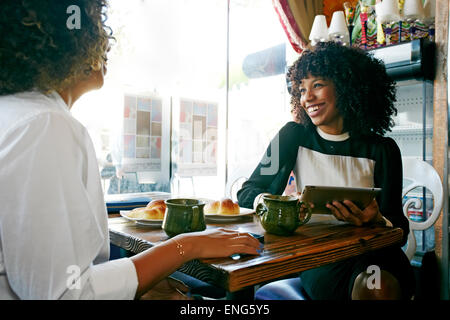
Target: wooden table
(321,241)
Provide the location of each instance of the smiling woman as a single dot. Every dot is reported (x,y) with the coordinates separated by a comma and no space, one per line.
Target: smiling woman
(319,101)
(345,102)
(358,78)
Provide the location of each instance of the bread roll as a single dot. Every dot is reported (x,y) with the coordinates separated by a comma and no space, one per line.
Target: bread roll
(154,214)
(227,206)
(156,203)
(136,213)
(154,210)
(211,207)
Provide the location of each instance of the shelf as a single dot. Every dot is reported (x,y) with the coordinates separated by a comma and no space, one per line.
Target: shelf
(410,131)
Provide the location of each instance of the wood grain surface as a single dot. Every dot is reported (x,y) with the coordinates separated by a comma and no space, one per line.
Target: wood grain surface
(321,241)
(440,115)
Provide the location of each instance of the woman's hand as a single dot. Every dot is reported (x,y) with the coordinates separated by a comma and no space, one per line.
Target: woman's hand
(349,212)
(158,262)
(305,207)
(215,243)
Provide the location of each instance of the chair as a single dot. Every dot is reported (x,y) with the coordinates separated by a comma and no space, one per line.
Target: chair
(286,289)
(421,174)
(234,186)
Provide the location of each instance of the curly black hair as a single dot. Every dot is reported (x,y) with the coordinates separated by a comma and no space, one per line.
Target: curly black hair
(38,51)
(365,93)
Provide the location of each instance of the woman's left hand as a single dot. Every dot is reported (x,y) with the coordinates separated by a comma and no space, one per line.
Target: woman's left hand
(349,212)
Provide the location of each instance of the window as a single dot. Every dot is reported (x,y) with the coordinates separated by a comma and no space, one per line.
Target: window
(179,73)
(258,96)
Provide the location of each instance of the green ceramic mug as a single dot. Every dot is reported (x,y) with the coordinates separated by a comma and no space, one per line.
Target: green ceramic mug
(280,215)
(183,215)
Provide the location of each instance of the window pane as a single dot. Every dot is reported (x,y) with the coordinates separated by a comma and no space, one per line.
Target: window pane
(258,97)
(162,112)
(167,52)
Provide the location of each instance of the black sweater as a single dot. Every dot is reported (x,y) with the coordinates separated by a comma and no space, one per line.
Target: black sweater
(354,161)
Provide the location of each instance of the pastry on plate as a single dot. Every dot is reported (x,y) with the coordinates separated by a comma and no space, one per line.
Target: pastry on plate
(212,207)
(224,206)
(154,210)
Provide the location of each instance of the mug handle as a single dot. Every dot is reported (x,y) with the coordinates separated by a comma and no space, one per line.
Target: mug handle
(308,214)
(261,209)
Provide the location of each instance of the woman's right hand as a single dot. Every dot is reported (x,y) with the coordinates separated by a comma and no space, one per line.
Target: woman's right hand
(160,261)
(217,243)
(305,207)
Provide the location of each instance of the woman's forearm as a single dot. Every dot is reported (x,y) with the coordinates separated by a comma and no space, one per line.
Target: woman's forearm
(160,261)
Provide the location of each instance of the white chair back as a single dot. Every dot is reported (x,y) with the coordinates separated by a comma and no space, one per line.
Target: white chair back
(421,174)
(234,186)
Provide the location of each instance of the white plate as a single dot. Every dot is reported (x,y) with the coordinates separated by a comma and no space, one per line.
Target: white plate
(214,217)
(144,222)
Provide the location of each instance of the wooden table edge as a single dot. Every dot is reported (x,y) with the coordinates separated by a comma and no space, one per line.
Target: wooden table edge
(237,280)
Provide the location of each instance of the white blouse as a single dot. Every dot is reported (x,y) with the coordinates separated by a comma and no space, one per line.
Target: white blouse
(54,241)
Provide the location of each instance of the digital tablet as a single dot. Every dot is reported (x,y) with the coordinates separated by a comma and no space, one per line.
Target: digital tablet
(321,195)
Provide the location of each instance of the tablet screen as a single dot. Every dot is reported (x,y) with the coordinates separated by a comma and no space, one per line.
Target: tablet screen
(321,195)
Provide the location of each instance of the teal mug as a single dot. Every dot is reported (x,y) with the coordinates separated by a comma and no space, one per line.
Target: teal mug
(183,215)
(280,215)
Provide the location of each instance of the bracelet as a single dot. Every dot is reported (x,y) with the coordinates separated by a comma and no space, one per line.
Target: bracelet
(179,247)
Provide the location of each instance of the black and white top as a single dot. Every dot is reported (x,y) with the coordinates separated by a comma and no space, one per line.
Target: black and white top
(318,158)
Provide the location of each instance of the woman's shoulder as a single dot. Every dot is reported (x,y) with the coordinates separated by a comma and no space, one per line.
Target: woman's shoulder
(32,103)
(377,145)
(377,139)
(292,132)
(293,126)
(386,142)
(384,147)
(33,109)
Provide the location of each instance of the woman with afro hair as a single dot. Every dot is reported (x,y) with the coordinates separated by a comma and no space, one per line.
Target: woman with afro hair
(344,103)
(54,241)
